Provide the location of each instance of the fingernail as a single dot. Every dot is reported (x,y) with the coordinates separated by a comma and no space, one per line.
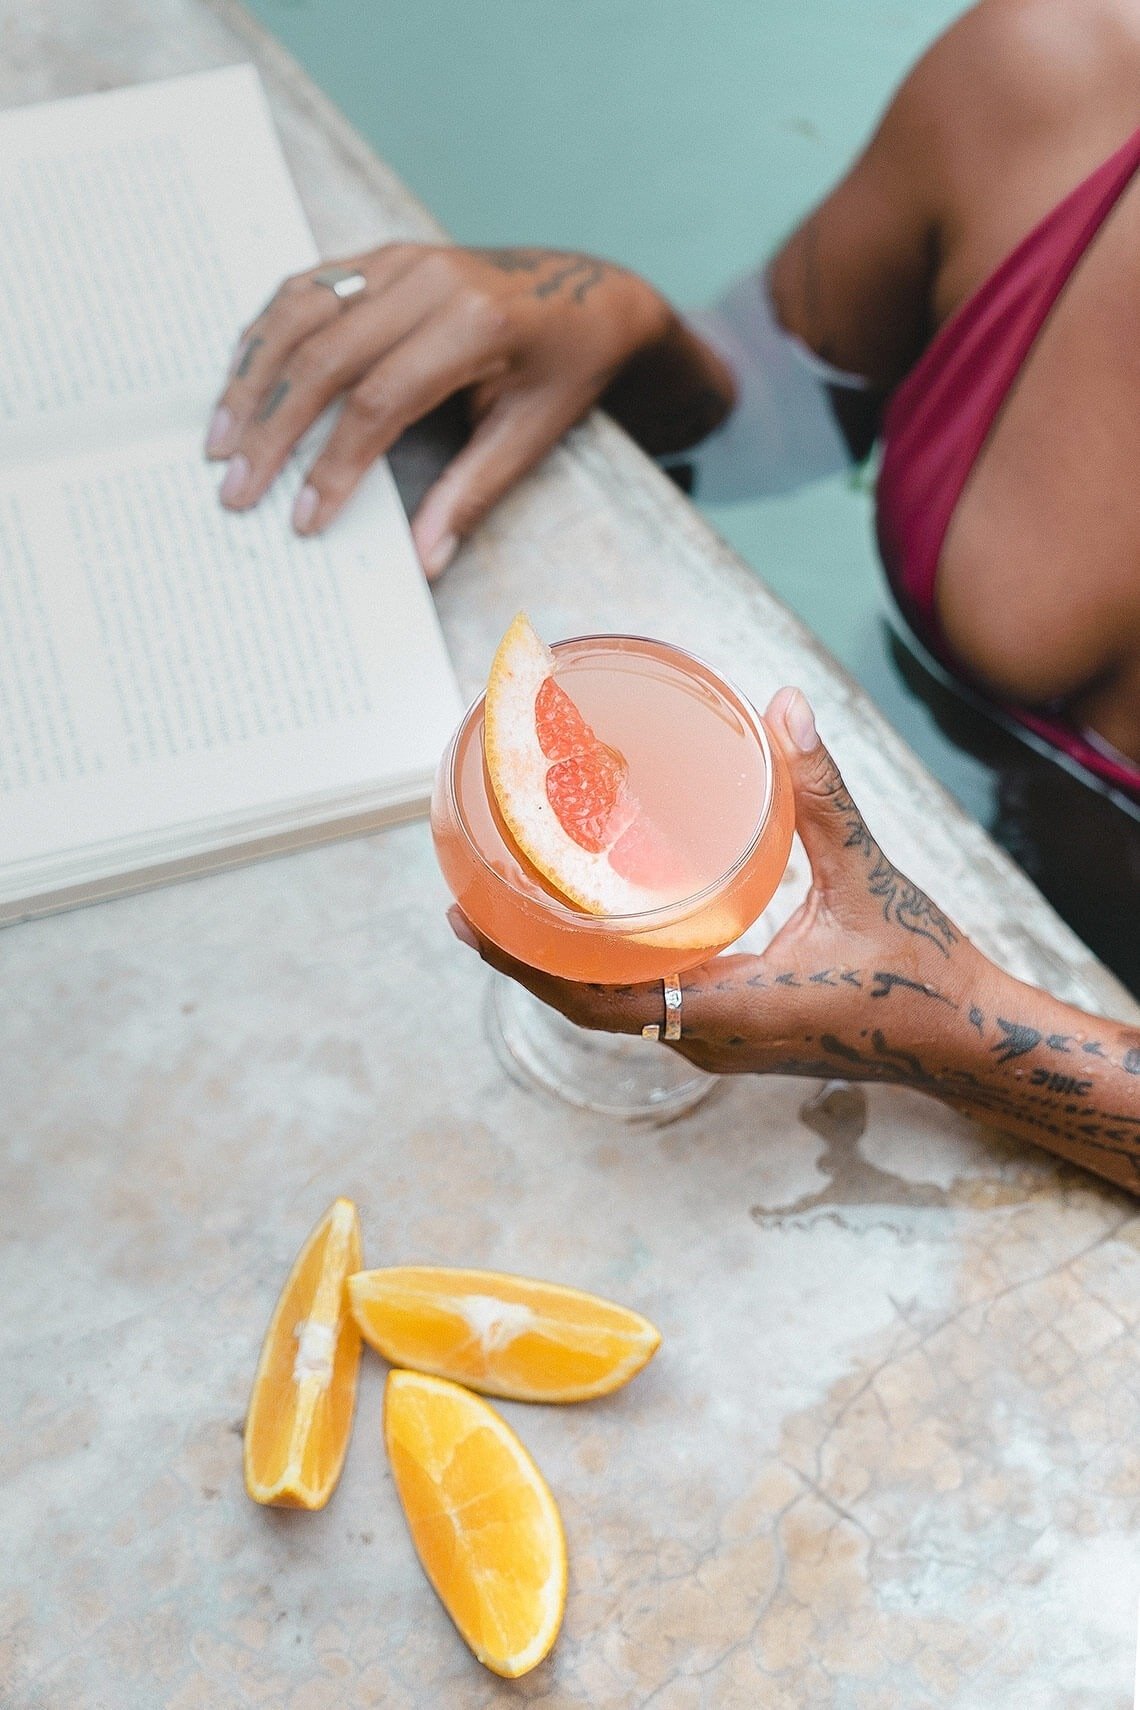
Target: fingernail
(305,508)
(799,721)
(235,480)
(458,924)
(440,555)
(221,426)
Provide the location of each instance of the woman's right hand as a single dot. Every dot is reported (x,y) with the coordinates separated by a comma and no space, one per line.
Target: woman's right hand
(532,337)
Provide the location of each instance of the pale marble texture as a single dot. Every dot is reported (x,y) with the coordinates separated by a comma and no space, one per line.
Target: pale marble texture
(887,1455)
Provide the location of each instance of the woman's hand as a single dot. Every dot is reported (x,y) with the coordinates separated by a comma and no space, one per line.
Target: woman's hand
(870,981)
(532,337)
(864,940)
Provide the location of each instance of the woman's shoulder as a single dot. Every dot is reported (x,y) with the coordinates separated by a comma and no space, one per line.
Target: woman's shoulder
(1014,65)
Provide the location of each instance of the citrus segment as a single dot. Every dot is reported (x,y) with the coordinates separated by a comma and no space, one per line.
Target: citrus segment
(561,729)
(482,1519)
(563,793)
(304,1392)
(505,1335)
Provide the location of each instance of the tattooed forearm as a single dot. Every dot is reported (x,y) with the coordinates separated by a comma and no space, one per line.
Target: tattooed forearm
(1085,1118)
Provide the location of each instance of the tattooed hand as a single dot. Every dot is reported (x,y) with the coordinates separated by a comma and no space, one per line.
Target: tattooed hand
(870,980)
(530,338)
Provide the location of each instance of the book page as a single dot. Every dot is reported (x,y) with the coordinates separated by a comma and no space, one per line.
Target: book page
(164,662)
(176,679)
(141,230)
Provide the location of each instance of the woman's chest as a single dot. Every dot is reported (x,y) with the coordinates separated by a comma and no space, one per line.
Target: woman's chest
(1040,567)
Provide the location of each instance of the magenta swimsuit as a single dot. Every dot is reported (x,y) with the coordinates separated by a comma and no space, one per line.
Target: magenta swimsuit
(938,419)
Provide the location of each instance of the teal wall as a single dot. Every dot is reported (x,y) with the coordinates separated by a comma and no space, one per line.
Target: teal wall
(681,137)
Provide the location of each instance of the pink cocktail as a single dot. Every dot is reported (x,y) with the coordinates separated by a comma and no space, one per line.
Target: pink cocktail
(710,783)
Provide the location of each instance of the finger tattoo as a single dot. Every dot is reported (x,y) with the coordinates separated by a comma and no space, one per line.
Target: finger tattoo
(275,398)
(252,346)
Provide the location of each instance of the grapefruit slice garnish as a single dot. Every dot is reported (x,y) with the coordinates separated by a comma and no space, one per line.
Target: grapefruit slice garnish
(564,794)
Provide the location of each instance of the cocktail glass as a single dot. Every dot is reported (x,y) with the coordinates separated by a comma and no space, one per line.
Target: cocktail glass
(701,762)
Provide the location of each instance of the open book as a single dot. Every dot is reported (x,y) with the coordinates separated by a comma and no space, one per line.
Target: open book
(180,688)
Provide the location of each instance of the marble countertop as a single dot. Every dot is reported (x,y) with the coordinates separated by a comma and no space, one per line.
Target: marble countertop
(887,1454)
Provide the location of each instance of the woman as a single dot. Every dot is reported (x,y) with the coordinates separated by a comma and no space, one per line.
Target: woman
(967,291)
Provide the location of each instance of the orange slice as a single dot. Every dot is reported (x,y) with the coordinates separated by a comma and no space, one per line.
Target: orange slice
(304,1393)
(563,793)
(482,1518)
(505,1335)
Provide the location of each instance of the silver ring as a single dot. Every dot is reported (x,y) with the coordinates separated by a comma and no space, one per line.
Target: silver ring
(343,282)
(671,990)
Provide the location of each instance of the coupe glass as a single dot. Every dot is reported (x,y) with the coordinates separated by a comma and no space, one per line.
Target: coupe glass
(700,752)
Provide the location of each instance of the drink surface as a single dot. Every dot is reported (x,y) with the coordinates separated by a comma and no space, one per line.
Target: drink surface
(716,835)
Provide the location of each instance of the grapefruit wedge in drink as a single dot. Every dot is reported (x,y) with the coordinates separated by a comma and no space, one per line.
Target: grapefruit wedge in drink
(564,794)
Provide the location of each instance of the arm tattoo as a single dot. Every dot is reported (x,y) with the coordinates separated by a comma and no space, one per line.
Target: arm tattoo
(1068,1084)
(1016,1040)
(886,983)
(1050,1105)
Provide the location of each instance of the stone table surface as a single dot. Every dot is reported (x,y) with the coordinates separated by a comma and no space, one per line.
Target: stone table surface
(889,1454)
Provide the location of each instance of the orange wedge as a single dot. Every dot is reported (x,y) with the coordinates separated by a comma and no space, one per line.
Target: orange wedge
(509,1336)
(563,793)
(482,1519)
(304,1393)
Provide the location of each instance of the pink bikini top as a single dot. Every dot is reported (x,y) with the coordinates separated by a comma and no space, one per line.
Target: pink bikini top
(937,420)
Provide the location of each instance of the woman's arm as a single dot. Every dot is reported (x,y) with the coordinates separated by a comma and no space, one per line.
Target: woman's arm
(981,1041)
(871,981)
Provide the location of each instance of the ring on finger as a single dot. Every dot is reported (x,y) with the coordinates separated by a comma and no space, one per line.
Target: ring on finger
(671,992)
(343,282)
